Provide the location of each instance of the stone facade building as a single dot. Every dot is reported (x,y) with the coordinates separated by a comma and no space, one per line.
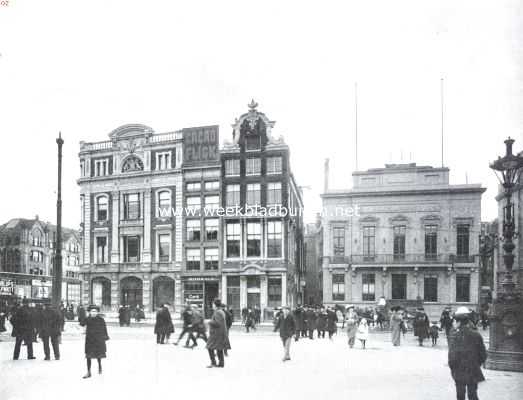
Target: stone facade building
(26,261)
(263,239)
(404,233)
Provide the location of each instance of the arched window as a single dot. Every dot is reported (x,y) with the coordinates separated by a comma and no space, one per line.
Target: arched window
(101,208)
(164,203)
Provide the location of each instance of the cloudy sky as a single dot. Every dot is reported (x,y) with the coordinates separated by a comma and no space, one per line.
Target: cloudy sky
(87,67)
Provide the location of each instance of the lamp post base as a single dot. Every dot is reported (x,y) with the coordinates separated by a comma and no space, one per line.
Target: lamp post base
(506,336)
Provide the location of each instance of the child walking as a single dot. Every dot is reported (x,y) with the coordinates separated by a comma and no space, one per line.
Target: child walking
(95,338)
(363,332)
(434,333)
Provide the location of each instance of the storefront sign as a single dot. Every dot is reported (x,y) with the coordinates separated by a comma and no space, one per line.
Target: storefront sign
(200,278)
(200,145)
(7,287)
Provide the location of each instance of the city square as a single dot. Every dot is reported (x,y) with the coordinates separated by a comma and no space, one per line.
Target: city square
(136,367)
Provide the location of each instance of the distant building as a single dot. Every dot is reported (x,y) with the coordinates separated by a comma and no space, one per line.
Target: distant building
(404,233)
(262,252)
(26,261)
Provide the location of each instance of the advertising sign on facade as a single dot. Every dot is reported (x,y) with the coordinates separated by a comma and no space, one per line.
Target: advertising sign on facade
(200,145)
(7,287)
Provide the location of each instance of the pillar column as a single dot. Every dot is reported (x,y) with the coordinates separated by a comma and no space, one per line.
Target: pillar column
(147,226)
(264,292)
(243,292)
(115,292)
(284,289)
(115,255)
(224,289)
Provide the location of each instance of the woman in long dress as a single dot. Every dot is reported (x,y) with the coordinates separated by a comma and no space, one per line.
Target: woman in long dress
(95,338)
(352,325)
(395,325)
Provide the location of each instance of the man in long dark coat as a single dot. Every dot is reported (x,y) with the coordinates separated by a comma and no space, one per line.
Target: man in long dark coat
(187,327)
(446,322)
(163,325)
(218,340)
(321,322)
(466,355)
(23,330)
(287,327)
(95,338)
(298,318)
(50,325)
(82,315)
(421,325)
(332,320)
(310,315)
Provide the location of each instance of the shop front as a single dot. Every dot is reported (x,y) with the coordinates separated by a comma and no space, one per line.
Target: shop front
(201,291)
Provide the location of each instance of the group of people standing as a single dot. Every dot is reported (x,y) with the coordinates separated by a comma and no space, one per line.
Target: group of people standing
(319,319)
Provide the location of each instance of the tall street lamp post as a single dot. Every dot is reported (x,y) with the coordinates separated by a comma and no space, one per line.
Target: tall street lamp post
(506,328)
(57,278)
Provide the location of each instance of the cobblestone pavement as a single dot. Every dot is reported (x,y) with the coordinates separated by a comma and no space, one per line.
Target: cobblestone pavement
(137,367)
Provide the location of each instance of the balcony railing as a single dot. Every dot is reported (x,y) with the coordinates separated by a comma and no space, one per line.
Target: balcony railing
(400,259)
(165,137)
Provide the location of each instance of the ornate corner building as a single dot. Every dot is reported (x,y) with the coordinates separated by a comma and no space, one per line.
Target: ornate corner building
(154,218)
(405,234)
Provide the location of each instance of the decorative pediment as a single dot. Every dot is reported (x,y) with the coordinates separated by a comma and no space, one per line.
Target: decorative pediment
(131,131)
(462,221)
(131,164)
(431,219)
(252,123)
(252,269)
(399,219)
(369,220)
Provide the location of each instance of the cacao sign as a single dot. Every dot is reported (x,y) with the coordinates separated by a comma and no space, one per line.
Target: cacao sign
(200,145)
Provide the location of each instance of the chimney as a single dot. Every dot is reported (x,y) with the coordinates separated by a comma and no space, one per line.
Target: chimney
(326,176)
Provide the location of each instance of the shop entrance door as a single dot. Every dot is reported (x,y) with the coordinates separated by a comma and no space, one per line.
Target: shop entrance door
(253,300)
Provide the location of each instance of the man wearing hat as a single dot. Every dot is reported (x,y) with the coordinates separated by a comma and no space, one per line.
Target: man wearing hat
(287,327)
(50,327)
(23,330)
(466,355)
(446,321)
(218,340)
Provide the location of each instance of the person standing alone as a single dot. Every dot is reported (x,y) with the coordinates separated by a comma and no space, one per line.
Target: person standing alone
(218,340)
(95,338)
(287,326)
(50,328)
(466,355)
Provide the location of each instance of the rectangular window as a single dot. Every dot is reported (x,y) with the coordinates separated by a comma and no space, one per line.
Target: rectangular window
(430,288)
(253,282)
(253,166)
(368,287)
(462,288)
(164,247)
(131,248)
(399,286)
(194,186)
(101,250)
(274,193)
(338,287)
(274,292)
(132,206)
(194,202)
(463,242)
(339,241)
(274,165)
(212,185)
(369,243)
(193,259)
(233,195)
(399,243)
(431,242)
(253,239)
(274,239)
(212,202)
(163,161)
(233,239)
(253,194)
(101,167)
(232,167)
(211,259)
(211,229)
(193,229)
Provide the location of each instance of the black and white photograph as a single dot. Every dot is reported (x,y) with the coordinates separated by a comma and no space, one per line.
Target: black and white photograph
(261,200)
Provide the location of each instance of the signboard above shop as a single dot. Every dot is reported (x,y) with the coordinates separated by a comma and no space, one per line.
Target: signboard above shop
(200,145)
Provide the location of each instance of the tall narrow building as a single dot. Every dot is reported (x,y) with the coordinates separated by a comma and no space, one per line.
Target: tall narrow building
(262,225)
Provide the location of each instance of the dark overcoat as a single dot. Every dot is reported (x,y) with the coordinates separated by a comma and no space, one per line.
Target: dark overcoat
(164,324)
(298,318)
(50,323)
(23,323)
(332,318)
(95,337)
(82,314)
(421,325)
(310,316)
(286,325)
(321,322)
(466,354)
(218,337)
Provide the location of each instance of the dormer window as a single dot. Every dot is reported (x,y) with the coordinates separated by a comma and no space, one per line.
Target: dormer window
(163,160)
(101,167)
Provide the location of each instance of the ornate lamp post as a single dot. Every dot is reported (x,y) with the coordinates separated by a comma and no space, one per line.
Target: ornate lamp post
(506,329)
